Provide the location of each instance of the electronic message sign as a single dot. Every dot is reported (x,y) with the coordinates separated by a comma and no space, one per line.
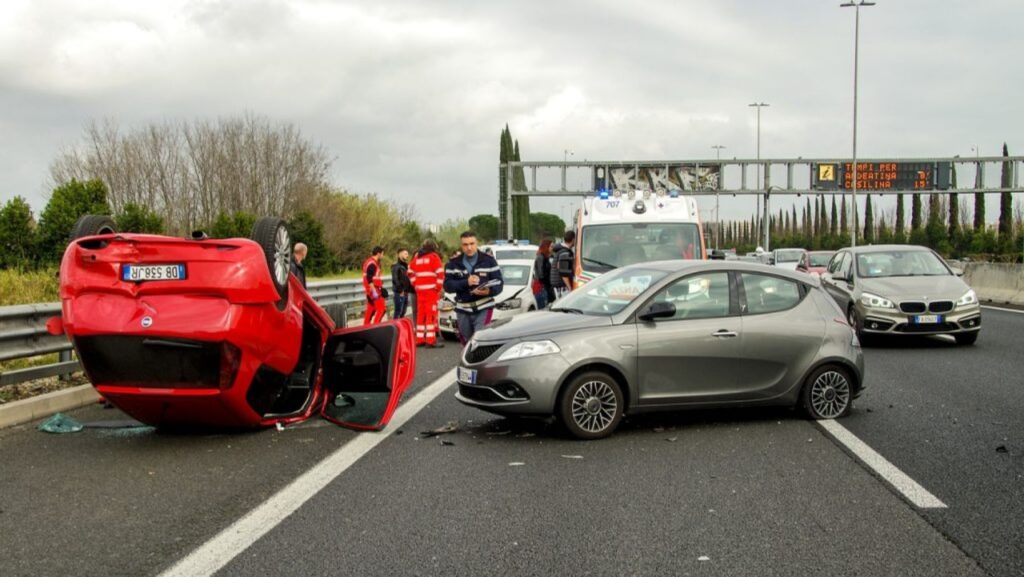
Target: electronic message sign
(881,175)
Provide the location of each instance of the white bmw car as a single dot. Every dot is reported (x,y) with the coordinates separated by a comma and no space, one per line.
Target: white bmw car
(516,297)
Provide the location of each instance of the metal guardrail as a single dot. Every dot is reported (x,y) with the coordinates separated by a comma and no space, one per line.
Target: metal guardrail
(23,332)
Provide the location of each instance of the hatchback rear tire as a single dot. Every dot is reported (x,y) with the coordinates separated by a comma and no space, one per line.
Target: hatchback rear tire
(591,405)
(828,393)
(272,235)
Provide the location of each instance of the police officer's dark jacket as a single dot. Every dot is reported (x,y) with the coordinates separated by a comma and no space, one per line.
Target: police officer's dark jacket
(456,280)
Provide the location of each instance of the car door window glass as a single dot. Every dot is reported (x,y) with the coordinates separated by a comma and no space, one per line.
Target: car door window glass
(844,266)
(768,294)
(701,296)
(833,265)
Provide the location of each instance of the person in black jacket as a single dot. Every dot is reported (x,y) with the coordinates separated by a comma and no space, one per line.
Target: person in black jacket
(563,276)
(401,286)
(475,278)
(299,255)
(543,293)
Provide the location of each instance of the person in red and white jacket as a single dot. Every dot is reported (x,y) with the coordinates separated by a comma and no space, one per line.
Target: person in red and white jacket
(427,274)
(373,285)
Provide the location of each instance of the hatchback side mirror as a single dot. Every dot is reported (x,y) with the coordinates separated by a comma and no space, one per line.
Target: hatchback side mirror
(660,310)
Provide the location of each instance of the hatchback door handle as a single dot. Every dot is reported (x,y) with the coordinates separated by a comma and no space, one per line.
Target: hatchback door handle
(724,334)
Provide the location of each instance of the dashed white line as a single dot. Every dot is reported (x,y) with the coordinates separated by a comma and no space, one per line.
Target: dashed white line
(909,488)
(226,545)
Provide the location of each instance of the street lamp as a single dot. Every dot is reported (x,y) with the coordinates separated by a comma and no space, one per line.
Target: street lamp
(856,54)
(759,106)
(718,216)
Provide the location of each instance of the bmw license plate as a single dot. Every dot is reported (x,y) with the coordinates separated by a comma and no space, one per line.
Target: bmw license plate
(467,376)
(927,319)
(144,272)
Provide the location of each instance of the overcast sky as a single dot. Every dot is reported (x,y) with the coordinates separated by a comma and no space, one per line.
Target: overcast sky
(410,97)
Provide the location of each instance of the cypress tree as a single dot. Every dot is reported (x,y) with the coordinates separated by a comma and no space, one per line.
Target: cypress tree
(521,223)
(844,222)
(835,218)
(503,157)
(979,203)
(915,213)
(869,221)
(1005,207)
(900,235)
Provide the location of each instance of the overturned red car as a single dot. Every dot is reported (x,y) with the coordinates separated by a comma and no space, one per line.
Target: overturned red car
(203,332)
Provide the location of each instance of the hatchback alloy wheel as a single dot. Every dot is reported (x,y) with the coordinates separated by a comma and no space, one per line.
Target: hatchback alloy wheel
(592,406)
(828,394)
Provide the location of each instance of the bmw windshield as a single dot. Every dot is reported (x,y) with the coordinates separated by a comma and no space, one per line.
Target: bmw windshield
(610,293)
(900,263)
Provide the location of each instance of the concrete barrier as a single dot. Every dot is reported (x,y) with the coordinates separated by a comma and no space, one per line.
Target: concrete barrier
(995,282)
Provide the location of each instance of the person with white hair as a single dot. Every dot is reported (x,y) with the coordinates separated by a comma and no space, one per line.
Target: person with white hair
(299,255)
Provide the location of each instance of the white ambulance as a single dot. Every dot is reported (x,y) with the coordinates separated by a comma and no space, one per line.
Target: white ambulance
(616,228)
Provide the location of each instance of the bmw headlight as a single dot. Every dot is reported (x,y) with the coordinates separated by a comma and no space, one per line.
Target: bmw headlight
(529,349)
(969,298)
(510,304)
(875,301)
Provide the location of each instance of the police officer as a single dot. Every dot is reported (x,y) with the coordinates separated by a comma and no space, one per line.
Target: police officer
(475,278)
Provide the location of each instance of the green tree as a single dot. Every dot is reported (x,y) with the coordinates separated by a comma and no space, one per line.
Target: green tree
(485,226)
(844,222)
(979,202)
(320,261)
(834,221)
(135,218)
(915,213)
(237,225)
(869,221)
(17,234)
(935,229)
(521,224)
(899,233)
(68,202)
(546,225)
(1006,245)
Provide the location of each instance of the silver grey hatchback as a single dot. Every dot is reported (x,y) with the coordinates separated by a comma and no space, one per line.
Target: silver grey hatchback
(666,336)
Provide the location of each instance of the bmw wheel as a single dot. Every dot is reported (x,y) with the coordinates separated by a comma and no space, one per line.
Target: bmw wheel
(591,405)
(828,393)
(271,234)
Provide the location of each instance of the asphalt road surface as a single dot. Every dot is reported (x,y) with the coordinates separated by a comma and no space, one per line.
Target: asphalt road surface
(697,493)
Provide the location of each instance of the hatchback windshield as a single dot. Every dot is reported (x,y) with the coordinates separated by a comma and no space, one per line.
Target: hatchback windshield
(608,246)
(821,258)
(900,263)
(610,293)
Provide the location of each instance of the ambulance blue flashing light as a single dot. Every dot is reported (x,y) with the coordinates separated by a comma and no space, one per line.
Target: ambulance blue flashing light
(603,194)
(674,193)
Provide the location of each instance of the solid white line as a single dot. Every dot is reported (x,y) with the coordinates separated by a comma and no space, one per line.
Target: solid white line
(908,487)
(1002,309)
(221,549)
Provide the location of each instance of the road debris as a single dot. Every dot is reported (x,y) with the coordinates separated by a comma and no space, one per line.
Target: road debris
(703,558)
(572,456)
(449,427)
(280,427)
(1002,449)
(60,424)
(447,443)
(496,433)
(516,464)
(672,439)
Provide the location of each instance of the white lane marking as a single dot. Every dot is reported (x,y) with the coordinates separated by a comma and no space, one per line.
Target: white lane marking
(226,545)
(1002,309)
(908,487)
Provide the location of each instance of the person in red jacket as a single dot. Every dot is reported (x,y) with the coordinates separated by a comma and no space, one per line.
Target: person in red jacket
(427,274)
(373,285)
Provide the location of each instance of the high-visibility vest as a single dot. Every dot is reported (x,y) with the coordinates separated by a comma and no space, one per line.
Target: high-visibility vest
(378,281)
(426,271)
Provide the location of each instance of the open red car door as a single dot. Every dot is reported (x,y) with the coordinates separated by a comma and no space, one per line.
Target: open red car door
(365,372)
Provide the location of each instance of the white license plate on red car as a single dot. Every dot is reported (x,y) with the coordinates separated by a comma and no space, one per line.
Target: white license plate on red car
(927,319)
(145,272)
(467,376)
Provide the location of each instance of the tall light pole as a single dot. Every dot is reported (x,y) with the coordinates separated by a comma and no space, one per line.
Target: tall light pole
(758,106)
(856,55)
(718,216)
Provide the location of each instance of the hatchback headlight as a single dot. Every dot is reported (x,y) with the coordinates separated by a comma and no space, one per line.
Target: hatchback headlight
(969,298)
(875,301)
(529,349)
(510,304)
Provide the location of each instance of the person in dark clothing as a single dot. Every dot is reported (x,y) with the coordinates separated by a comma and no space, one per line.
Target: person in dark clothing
(475,278)
(563,275)
(299,255)
(401,286)
(543,293)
